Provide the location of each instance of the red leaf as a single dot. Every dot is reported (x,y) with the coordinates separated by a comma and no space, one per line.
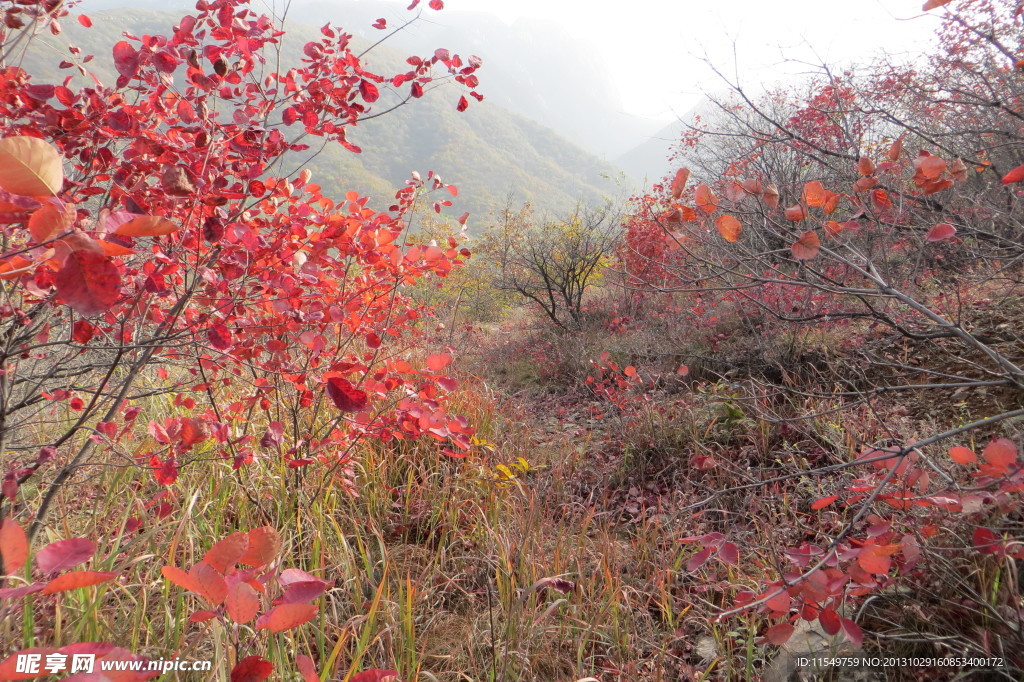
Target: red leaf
(305,666)
(930,167)
(165,473)
(780,603)
(85,21)
(252,669)
(82,331)
(830,621)
(852,631)
(437,4)
(89,282)
(1016,175)
(940,232)
(698,559)
(932,4)
(64,554)
(962,455)
(264,546)
(807,247)
(728,553)
(985,541)
(375,675)
(286,617)
(463,104)
(865,166)
(779,634)
(219,336)
(345,396)
(77,579)
(823,502)
(438,361)
(49,221)
(225,554)
(242,603)
(202,616)
(211,584)
(126,59)
(368,91)
(1000,453)
(13,546)
(795,213)
(304,591)
(182,579)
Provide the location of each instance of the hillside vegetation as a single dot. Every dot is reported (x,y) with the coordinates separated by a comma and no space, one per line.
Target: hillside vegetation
(762,421)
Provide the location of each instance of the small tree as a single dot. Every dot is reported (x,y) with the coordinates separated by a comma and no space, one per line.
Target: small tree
(552,263)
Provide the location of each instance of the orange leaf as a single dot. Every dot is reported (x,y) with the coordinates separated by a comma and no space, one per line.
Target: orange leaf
(833,229)
(242,603)
(752,186)
(304,664)
(77,579)
(864,184)
(729,227)
(796,213)
(1016,175)
(706,199)
(962,455)
(874,559)
(49,220)
(929,166)
(182,579)
(896,149)
(225,554)
(264,546)
(832,202)
(865,166)
(15,267)
(940,232)
(1000,453)
(932,4)
(30,166)
(807,246)
(113,249)
(771,196)
(881,200)
(823,502)
(679,182)
(438,361)
(211,583)
(286,617)
(814,194)
(779,634)
(146,226)
(13,546)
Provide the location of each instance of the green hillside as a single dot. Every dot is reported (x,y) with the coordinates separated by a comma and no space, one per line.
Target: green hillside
(487,151)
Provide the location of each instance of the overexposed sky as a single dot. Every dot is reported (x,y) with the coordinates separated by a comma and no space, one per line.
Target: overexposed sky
(651,46)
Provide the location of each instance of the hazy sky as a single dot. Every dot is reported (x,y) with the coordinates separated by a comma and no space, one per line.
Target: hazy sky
(651,45)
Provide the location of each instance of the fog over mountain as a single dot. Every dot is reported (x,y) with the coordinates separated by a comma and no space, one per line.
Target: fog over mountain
(532,67)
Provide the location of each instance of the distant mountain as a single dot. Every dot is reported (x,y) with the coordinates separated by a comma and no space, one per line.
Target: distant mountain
(648,162)
(532,68)
(490,153)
